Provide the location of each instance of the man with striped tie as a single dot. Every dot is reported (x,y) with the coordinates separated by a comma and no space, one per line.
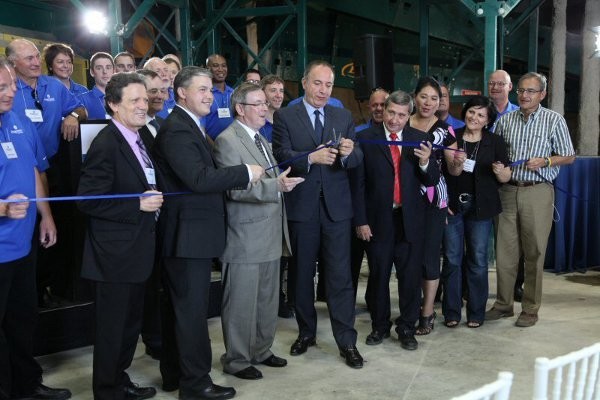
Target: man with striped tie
(120,240)
(257,237)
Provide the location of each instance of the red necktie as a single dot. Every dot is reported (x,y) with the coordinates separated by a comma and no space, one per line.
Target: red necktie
(396,159)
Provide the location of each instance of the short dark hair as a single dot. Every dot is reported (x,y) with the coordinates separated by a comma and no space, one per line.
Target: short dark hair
(114,88)
(99,55)
(316,63)
(481,102)
(252,70)
(425,81)
(51,50)
(240,94)
(269,80)
(400,98)
(185,76)
(536,75)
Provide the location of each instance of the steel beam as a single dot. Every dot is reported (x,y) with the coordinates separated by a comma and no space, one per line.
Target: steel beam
(424,37)
(533,41)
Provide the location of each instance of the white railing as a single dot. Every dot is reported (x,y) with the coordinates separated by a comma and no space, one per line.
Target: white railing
(497,390)
(582,380)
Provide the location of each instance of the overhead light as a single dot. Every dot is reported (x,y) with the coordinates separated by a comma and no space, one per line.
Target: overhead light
(479,11)
(96,22)
(501,11)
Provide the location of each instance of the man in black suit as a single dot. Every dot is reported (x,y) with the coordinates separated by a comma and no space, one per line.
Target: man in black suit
(119,244)
(320,210)
(192,232)
(389,213)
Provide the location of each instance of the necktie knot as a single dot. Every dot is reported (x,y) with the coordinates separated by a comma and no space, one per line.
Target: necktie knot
(394,136)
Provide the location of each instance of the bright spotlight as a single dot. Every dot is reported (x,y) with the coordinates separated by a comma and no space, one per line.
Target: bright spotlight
(96,22)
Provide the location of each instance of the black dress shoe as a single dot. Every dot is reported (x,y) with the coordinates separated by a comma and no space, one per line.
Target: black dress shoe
(352,357)
(274,361)
(135,392)
(301,345)
(212,392)
(249,373)
(376,337)
(42,392)
(408,341)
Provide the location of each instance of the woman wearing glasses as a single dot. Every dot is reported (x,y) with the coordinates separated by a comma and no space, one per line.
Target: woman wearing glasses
(473,177)
(427,100)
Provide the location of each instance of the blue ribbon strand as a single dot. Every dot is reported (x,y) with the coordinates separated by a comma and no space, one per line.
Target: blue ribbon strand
(405,144)
(96,197)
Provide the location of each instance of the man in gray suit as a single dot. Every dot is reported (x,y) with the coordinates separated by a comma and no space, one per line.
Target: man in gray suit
(256,239)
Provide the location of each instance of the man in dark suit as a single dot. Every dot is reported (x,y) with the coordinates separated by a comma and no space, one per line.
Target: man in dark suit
(192,232)
(119,244)
(389,212)
(320,210)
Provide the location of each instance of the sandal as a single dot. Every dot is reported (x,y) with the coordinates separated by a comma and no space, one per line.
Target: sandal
(474,324)
(451,323)
(425,324)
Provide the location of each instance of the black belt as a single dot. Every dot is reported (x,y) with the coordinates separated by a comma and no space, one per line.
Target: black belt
(523,183)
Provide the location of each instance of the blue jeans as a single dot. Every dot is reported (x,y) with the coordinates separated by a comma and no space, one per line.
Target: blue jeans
(460,233)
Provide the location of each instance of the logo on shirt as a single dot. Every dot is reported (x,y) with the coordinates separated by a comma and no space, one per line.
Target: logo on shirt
(16,130)
(49,98)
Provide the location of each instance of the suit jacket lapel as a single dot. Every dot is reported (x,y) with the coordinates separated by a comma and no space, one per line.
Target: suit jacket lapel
(380,135)
(305,122)
(197,132)
(327,128)
(131,158)
(250,145)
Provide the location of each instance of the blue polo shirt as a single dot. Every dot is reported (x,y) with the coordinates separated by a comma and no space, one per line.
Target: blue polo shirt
(509,108)
(362,127)
(267,131)
(93,101)
(57,102)
(76,88)
(454,122)
(17,176)
(212,123)
(168,106)
(332,102)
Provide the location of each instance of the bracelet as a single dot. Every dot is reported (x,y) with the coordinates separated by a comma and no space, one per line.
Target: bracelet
(548,161)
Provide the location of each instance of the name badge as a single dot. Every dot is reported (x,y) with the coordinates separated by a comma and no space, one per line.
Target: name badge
(150,177)
(169,110)
(224,113)
(9,150)
(469,165)
(34,115)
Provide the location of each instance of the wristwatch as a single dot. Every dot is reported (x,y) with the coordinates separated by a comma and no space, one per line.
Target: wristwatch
(74,114)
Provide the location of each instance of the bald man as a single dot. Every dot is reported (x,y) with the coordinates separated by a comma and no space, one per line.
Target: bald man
(499,86)
(220,116)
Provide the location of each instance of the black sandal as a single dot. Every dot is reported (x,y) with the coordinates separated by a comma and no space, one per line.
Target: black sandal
(451,323)
(474,324)
(425,325)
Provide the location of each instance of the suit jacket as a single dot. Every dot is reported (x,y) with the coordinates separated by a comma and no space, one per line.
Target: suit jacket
(192,225)
(147,136)
(373,186)
(256,223)
(120,239)
(293,134)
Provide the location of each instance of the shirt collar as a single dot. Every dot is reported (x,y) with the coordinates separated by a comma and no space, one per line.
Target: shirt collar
(311,110)
(251,132)
(388,132)
(124,130)
(196,119)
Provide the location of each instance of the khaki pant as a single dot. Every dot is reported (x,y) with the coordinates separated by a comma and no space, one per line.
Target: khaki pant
(523,228)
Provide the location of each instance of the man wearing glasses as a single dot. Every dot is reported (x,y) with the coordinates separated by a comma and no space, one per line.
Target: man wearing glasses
(541,137)
(257,237)
(499,86)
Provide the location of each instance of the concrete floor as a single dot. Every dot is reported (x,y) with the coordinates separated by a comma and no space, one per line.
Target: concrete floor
(449,362)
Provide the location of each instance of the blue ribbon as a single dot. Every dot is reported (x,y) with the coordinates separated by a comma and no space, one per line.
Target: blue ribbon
(96,197)
(406,144)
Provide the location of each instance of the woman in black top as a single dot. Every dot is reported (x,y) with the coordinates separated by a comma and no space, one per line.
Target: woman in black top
(473,178)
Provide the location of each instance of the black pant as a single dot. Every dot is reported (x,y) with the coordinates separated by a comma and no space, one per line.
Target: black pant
(19,371)
(186,353)
(119,308)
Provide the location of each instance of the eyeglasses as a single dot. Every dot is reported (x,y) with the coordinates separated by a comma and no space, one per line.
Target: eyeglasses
(498,83)
(528,91)
(156,91)
(266,103)
(254,81)
(36,99)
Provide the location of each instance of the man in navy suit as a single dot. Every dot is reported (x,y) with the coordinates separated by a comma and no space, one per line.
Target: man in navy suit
(120,240)
(320,210)
(389,212)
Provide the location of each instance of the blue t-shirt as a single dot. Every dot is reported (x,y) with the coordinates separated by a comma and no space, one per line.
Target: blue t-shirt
(17,176)
(93,101)
(267,131)
(212,123)
(362,127)
(57,102)
(168,106)
(332,102)
(509,108)
(454,123)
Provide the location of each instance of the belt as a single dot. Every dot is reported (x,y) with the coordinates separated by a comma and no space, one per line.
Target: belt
(465,198)
(523,183)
